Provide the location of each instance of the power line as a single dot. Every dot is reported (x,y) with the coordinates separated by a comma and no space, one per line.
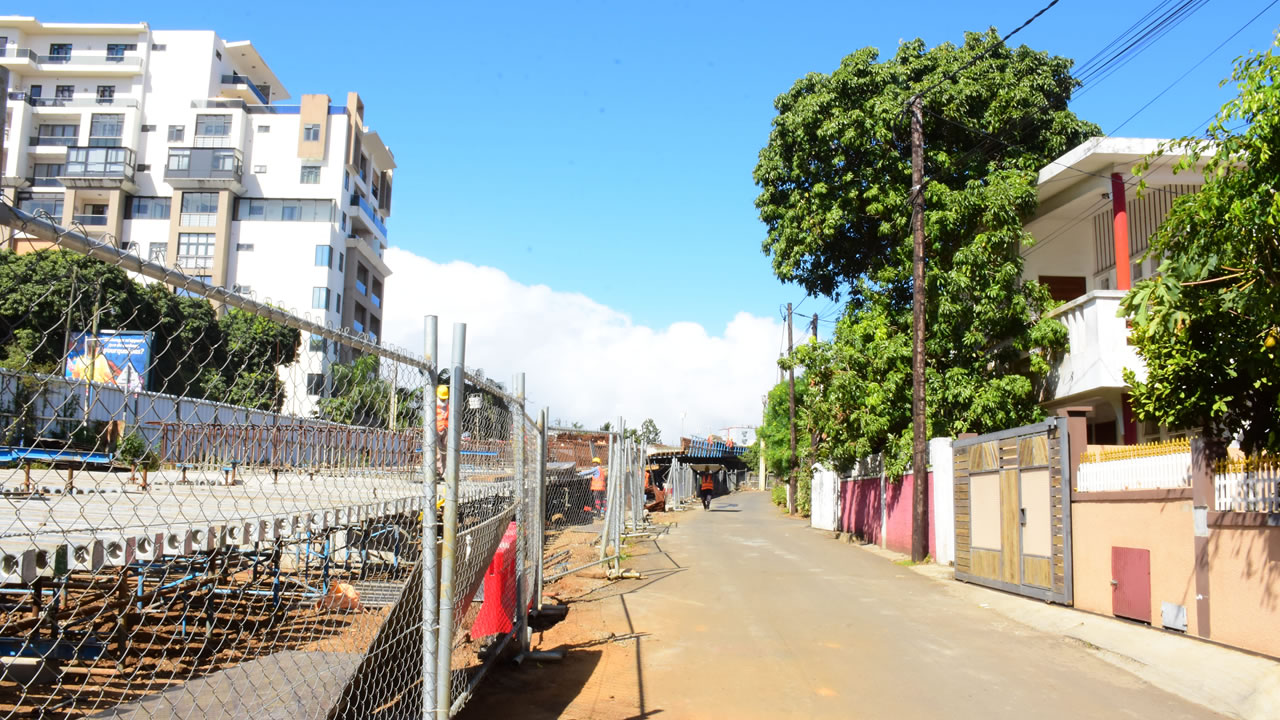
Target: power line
(1202,60)
(1146,37)
(982,55)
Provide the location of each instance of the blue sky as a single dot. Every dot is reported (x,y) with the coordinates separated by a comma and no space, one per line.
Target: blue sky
(607,147)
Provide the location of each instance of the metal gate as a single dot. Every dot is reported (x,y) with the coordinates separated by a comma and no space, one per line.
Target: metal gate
(1013,511)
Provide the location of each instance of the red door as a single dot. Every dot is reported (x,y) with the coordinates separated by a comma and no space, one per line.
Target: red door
(1131,583)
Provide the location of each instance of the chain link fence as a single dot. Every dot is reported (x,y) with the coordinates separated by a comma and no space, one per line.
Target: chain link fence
(215,507)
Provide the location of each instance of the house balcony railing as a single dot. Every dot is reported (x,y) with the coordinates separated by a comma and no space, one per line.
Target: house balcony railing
(193,163)
(1098,351)
(52,140)
(46,102)
(90,220)
(241,82)
(368,214)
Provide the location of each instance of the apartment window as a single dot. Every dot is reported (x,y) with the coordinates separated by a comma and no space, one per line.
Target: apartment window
(147,208)
(213,130)
(179,159)
(342,262)
(259,169)
(342,221)
(315,383)
(176,133)
(59,52)
(159,47)
(143,167)
(41,203)
(284,210)
(375,294)
(217,54)
(46,174)
(35,90)
(244,247)
(195,251)
(346,180)
(242,290)
(106,130)
(157,251)
(324,256)
(310,175)
(224,160)
(64,93)
(318,344)
(57,134)
(311,132)
(320,298)
(116,51)
(264,128)
(4,43)
(106,94)
(337,305)
(148,128)
(199,209)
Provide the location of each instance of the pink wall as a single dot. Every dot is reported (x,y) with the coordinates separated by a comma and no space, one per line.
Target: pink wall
(860,511)
(860,508)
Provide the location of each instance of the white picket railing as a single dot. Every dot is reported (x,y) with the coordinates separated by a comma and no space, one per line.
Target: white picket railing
(1150,472)
(1247,486)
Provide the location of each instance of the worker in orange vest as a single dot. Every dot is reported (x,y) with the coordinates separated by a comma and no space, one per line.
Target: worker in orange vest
(708,488)
(599,482)
(442,425)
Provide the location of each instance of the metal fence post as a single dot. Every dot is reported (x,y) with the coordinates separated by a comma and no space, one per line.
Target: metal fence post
(522,518)
(430,569)
(444,651)
(540,507)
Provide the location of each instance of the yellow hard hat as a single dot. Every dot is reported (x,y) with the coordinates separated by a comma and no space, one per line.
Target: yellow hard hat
(442,392)
(595,460)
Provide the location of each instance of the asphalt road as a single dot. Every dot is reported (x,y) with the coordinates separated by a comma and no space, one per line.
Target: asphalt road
(767,618)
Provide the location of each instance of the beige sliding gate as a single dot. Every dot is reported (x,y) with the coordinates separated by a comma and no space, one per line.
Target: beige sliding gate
(1013,510)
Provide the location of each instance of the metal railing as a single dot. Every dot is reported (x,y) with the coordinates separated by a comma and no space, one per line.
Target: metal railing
(242,80)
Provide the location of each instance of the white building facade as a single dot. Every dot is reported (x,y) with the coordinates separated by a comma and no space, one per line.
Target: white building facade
(182,148)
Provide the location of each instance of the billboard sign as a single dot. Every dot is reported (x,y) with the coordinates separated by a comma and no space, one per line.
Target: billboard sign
(115,357)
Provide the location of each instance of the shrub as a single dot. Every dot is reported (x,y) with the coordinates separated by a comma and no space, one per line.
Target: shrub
(779,494)
(134,451)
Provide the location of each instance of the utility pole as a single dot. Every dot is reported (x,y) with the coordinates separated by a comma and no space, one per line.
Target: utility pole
(791,407)
(813,434)
(919,469)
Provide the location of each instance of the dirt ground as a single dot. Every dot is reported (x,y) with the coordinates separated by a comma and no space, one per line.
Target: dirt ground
(599,678)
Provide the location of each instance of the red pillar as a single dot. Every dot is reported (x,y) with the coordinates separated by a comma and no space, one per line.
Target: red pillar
(1120,231)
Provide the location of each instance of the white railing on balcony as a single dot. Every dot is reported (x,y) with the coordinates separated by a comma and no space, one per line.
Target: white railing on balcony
(1247,485)
(1153,466)
(1098,351)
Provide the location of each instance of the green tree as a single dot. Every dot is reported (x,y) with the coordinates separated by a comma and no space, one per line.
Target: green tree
(361,396)
(835,183)
(39,290)
(1208,325)
(649,433)
(776,429)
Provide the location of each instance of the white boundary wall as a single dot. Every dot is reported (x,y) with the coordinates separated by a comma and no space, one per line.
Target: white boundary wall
(824,511)
(943,512)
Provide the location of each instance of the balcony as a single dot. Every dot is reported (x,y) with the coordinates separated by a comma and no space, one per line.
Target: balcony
(1099,349)
(99,167)
(241,87)
(51,141)
(49,102)
(195,168)
(367,215)
(90,220)
(82,62)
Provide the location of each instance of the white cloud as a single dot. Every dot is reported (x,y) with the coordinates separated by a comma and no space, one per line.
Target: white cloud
(584,360)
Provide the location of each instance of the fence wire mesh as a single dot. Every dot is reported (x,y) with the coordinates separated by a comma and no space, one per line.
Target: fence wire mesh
(215,507)
(211,507)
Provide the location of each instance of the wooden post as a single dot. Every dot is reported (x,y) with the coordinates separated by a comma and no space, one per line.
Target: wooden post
(791,408)
(920,443)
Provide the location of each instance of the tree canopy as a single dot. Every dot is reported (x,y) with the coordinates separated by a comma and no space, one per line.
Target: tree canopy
(1208,324)
(835,183)
(194,352)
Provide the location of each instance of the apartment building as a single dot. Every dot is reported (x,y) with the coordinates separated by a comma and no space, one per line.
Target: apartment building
(187,149)
(1092,231)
